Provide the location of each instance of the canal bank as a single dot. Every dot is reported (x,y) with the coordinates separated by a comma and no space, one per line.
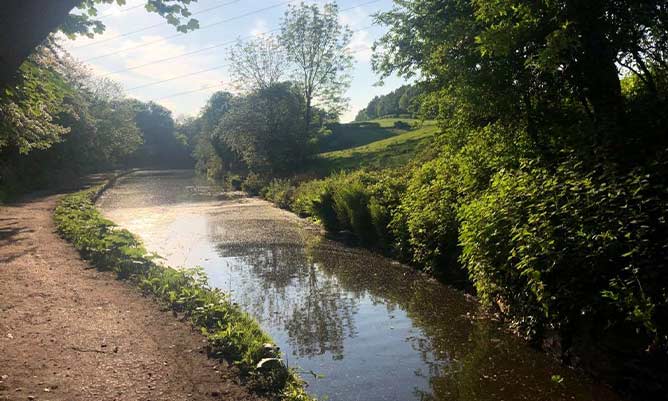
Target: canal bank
(367,328)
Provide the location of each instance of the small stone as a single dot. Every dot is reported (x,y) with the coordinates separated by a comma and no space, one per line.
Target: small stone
(47,390)
(10,336)
(31,397)
(4,377)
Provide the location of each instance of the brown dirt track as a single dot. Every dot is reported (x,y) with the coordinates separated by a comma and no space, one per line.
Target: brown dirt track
(69,332)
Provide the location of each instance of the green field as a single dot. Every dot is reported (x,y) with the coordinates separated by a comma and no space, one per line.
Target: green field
(373,144)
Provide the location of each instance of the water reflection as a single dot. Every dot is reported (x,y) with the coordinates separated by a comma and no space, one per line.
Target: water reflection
(374,329)
(316,317)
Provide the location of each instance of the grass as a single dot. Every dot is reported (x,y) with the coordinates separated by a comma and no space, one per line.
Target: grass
(231,333)
(377,147)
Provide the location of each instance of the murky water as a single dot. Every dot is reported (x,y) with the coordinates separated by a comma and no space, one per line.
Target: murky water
(372,328)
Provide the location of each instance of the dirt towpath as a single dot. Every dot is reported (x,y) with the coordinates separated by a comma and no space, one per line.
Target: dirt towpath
(69,332)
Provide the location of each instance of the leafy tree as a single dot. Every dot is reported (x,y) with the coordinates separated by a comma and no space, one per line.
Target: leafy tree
(402,101)
(548,66)
(317,44)
(258,63)
(160,147)
(45,17)
(265,130)
(29,109)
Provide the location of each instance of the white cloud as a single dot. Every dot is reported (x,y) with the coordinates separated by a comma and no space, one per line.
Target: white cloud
(360,44)
(147,49)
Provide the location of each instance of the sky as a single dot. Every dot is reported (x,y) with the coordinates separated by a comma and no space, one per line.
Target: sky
(139,48)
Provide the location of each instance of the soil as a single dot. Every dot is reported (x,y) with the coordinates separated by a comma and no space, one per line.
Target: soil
(70,332)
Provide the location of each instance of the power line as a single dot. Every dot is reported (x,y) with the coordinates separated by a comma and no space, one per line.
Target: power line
(185,93)
(178,77)
(359,49)
(162,39)
(146,28)
(219,45)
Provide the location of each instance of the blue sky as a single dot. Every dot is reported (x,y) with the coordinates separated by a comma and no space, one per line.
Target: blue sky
(230,20)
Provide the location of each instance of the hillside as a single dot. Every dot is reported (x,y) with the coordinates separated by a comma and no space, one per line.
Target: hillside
(373,144)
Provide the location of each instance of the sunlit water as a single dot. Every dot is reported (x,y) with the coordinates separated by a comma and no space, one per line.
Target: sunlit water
(373,329)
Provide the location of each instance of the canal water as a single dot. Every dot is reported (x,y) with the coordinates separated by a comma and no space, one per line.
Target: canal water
(357,325)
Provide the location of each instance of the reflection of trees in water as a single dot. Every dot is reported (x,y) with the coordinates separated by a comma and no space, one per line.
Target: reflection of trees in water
(282,287)
(310,288)
(466,359)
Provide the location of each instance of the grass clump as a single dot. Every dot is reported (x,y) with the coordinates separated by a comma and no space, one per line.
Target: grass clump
(232,333)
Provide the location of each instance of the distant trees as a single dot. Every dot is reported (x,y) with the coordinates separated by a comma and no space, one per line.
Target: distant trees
(403,101)
(58,121)
(161,147)
(290,86)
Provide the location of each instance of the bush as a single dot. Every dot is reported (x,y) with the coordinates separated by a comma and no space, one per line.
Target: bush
(253,184)
(425,223)
(279,192)
(581,252)
(233,182)
(402,125)
(305,197)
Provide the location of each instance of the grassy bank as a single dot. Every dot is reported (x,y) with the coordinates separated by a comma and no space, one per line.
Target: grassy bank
(375,144)
(232,334)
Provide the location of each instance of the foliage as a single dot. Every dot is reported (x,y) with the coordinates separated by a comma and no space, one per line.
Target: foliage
(232,334)
(264,129)
(29,109)
(253,184)
(401,102)
(280,192)
(258,63)
(317,45)
(85,23)
(582,252)
(161,147)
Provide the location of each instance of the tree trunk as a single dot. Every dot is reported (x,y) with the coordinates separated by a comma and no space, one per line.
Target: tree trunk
(597,69)
(24,24)
(308,114)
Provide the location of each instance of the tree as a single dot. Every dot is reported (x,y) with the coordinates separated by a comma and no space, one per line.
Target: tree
(265,130)
(317,44)
(550,67)
(25,24)
(258,63)
(160,147)
(29,110)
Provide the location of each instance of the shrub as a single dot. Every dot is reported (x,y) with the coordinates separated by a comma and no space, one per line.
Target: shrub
(280,192)
(582,252)
(233,182)
(425,223)
(351,204)
(402,125)
(306,195)
(253,184)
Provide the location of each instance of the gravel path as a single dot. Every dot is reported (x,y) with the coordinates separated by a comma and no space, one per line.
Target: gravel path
(69,332)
